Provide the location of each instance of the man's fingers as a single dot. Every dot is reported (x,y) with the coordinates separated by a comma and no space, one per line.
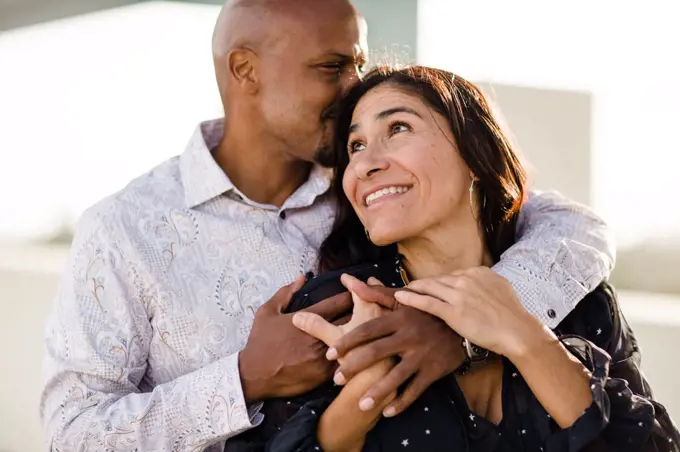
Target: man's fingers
(366,332)
(316,326)
(370,293)
(333,307)
(282,298)
(386,385)
(414,390)
(365,356)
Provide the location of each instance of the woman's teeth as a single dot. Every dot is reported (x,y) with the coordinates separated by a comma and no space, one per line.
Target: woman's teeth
(385,191)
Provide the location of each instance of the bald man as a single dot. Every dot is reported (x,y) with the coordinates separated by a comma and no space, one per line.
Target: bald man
(168,332)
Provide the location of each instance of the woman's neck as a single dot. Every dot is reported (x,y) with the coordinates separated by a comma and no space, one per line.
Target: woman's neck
(444,251)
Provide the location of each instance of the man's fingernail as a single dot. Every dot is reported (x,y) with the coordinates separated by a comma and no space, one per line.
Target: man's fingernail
(366,404)
(339,379)
(332,354)
(389,412)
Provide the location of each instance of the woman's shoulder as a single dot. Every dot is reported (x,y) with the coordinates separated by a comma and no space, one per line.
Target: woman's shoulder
(598,319)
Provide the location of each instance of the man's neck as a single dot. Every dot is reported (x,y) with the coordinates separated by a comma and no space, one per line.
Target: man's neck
(259,171)
(445,251)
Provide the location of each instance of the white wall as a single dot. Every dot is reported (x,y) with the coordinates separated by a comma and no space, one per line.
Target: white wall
(552,131)
(624,53)
(90,102)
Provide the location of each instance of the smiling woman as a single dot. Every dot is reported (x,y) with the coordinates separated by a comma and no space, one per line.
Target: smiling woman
(429,193)
(446,156)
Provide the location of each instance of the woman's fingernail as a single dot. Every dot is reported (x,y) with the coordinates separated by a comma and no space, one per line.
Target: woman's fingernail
(332,354)
(399,295)
(298,320)
(339,379)
(389,412)
(366,404)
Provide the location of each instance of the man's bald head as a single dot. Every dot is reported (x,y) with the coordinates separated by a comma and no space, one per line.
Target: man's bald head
(287,61)
(259,25)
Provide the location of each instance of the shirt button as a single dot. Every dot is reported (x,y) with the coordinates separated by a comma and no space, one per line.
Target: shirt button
(551,313)
(282,215)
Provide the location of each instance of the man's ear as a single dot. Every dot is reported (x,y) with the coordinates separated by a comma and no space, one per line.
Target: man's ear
(242,65)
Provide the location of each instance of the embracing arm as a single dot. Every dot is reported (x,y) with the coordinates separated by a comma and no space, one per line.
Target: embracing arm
(97,346)
(563,251)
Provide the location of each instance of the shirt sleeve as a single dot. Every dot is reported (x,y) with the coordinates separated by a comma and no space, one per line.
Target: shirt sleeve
(563,251)
(97,345)
(619,419)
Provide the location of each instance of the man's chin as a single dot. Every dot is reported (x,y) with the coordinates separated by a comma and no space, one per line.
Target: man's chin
(324,156)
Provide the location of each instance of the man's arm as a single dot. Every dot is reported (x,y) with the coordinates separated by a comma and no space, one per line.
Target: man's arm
(97,345)
(563,251)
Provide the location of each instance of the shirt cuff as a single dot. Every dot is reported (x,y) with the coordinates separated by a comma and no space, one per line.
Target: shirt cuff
(229,412)
(549,300)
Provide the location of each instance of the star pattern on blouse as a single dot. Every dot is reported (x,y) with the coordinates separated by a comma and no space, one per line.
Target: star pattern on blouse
(405,443)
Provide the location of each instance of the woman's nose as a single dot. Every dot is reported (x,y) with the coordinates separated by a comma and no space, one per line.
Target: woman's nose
(370,162)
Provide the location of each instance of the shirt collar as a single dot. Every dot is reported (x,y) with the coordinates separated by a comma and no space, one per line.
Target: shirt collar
(204,180)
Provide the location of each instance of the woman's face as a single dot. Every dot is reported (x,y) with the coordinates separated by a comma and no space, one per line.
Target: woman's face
(405,177)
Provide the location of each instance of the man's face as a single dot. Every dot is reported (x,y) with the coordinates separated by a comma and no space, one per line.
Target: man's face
(302,77)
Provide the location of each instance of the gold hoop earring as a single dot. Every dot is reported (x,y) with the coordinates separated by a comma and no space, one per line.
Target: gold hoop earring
(472,207)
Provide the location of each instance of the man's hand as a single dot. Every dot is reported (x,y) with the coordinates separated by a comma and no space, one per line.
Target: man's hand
(279,360)
(428,348)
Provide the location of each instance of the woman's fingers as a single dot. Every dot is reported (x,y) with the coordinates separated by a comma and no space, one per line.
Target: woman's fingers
(373,281)
(426,303)
(435,287)
(317,326)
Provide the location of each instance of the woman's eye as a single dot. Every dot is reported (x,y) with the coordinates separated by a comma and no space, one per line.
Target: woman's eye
(399,127)
(355,146)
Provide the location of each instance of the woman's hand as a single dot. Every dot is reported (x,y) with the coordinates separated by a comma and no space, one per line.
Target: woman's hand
(317,326)
(481,306)
(343,427)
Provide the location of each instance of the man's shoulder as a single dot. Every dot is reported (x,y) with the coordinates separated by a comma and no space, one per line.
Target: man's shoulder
(159,189)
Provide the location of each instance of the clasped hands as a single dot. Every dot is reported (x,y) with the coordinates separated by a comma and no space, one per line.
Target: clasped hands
(421,325)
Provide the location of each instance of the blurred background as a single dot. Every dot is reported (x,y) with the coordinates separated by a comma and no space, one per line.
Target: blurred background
(95,92)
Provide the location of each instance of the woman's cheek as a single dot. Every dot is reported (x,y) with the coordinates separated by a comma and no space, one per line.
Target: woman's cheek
(349,184)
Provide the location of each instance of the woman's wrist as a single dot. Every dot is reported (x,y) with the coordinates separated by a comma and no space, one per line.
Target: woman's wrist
(529,340)
(343,426)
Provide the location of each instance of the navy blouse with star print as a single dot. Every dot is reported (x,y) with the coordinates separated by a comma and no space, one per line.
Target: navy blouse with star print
(623,416)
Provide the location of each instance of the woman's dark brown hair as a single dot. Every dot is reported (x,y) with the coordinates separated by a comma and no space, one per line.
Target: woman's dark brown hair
(479,139)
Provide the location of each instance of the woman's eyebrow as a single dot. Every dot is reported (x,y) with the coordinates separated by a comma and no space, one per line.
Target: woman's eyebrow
(387,113)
